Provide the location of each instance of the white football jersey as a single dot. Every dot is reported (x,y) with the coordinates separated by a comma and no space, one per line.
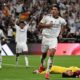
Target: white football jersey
(21,34)
(54,31)
(1,35)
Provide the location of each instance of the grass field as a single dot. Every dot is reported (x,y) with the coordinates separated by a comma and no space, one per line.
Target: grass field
(9,70)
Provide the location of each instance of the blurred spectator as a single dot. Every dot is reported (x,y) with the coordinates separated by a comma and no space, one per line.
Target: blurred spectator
(10,32)
(32,11)
(19,8)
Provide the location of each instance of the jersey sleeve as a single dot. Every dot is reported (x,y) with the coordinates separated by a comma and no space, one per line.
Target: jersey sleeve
(63,22)
(44,19)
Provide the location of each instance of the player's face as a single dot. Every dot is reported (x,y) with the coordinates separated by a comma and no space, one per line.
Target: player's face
(54,11)
(21,25)
(69,72)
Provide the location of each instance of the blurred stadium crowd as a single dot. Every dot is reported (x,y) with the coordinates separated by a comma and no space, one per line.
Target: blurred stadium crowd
(32,11)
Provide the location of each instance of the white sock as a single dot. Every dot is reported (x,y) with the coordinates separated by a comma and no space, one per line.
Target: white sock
(26,61)
(0,59)
(17,59)
(49,64)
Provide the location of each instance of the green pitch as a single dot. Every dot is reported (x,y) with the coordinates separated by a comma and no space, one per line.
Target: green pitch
(9,70)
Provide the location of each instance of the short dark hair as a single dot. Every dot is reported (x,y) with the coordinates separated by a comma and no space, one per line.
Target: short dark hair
(55,5)
(64,75)
(21,22)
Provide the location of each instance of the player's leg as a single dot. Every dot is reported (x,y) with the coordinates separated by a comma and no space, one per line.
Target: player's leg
(51,53)
(43,58)
(42,65)
(17,58)
(0,60)
(44,49)
(26,58)
(18,52)
(52,48)
(25,52)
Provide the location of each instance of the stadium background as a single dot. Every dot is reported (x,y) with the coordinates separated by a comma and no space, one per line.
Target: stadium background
(32,11)
(35,49)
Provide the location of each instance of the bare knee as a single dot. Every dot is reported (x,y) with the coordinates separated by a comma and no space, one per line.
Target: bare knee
(25,52)
(51,52)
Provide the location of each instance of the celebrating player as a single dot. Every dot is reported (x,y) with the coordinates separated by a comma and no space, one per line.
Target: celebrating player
(21,40)
(2,38)
(51,25)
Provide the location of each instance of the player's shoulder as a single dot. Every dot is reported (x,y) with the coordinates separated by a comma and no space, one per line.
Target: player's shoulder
(45,19)
(47,16)
(61,18)
(17,26)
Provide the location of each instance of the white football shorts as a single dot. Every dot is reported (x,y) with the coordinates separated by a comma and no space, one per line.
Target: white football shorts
(21,47)
(48,43)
